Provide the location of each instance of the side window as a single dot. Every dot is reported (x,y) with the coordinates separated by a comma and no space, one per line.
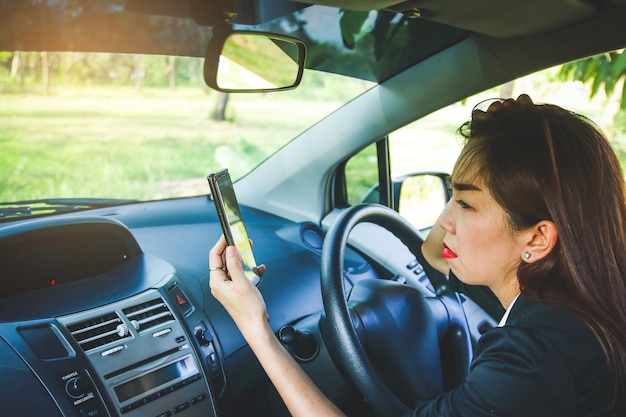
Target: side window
(362,177)
(422,155)
(430,144)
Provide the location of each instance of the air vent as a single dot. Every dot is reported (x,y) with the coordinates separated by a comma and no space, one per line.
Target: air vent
(150,314)
(99,331)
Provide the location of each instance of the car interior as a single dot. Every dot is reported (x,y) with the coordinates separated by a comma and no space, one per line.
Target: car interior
(105,306)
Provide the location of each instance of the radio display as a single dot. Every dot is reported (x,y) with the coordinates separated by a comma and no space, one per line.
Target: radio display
(153,379)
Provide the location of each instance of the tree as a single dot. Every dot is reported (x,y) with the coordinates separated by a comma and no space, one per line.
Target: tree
(606,70)
(170,71)
(138,71)
(45,72)
(219,111)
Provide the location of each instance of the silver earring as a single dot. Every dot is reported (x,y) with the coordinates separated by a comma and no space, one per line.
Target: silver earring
(526,255)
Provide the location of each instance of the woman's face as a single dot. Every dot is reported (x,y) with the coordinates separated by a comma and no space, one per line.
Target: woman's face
(479,245)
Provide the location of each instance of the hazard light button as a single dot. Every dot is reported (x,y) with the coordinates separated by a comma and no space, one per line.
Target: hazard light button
(181,300)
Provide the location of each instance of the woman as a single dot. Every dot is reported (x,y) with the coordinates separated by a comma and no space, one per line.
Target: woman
(537,216)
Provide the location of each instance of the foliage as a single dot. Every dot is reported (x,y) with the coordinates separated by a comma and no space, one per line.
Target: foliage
(361,174)
(91,69)
(605,69)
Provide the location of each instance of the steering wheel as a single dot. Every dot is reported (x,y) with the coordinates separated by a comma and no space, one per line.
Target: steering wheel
(396,345)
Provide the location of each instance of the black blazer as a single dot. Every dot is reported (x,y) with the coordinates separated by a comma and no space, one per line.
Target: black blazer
(544,362)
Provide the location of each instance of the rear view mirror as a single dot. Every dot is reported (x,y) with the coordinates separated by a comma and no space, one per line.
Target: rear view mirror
(240,62)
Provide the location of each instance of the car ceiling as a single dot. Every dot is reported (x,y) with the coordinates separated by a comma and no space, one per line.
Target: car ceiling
(500,18)
(418,28)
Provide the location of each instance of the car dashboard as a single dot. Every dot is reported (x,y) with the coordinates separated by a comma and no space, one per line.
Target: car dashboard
(108,312)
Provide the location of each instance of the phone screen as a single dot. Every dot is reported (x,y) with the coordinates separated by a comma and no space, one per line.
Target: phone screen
(232,223)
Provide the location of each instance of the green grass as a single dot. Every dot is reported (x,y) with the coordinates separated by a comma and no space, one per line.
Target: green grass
(118,142)
(45,142)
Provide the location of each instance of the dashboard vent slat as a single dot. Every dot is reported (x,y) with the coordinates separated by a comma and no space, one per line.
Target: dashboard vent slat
(99,331)
(150,314)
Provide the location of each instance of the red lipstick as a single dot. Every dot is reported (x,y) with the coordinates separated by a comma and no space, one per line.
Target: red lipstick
(447,253)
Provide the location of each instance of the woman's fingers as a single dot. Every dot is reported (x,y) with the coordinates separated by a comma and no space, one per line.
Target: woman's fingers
(233,262)
(260,270)
(216,254)
(524,99)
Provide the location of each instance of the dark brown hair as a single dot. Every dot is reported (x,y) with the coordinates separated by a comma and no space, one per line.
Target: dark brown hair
(542,162)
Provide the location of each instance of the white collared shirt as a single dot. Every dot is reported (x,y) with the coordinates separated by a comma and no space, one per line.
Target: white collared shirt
(507,312)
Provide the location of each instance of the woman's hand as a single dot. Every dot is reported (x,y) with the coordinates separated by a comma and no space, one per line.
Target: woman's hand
(230,286)
(243,301)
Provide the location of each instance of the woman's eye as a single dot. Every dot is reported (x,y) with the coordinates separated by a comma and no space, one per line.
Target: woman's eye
(463,204)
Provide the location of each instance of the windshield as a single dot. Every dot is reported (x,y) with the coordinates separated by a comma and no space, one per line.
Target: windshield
(140,127)
(104,102)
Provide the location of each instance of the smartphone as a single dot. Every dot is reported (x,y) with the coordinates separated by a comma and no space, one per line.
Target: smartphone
(232,223)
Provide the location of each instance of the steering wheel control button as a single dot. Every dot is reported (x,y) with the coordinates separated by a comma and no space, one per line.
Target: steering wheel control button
(399,279)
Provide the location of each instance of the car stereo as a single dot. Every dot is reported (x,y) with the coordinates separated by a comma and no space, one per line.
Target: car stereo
(142,357)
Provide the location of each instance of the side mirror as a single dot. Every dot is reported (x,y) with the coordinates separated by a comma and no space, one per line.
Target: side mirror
(244,62)
(421,197)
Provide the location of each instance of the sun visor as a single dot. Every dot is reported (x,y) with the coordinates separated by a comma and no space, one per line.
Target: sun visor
(505,18)
(498,18)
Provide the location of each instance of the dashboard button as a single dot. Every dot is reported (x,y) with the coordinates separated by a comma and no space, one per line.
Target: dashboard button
(197,399)
(90,412)
(181,300)
(77,386)
(181,407)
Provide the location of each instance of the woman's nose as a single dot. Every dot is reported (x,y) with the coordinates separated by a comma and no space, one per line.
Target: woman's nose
(446,220)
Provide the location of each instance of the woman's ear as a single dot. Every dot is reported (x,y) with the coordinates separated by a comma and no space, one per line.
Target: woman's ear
(540,240)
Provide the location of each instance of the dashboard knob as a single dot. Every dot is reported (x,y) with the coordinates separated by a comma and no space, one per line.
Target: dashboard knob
(287,334)
(122,330)
(203,336)
(77,387)
(301,343)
